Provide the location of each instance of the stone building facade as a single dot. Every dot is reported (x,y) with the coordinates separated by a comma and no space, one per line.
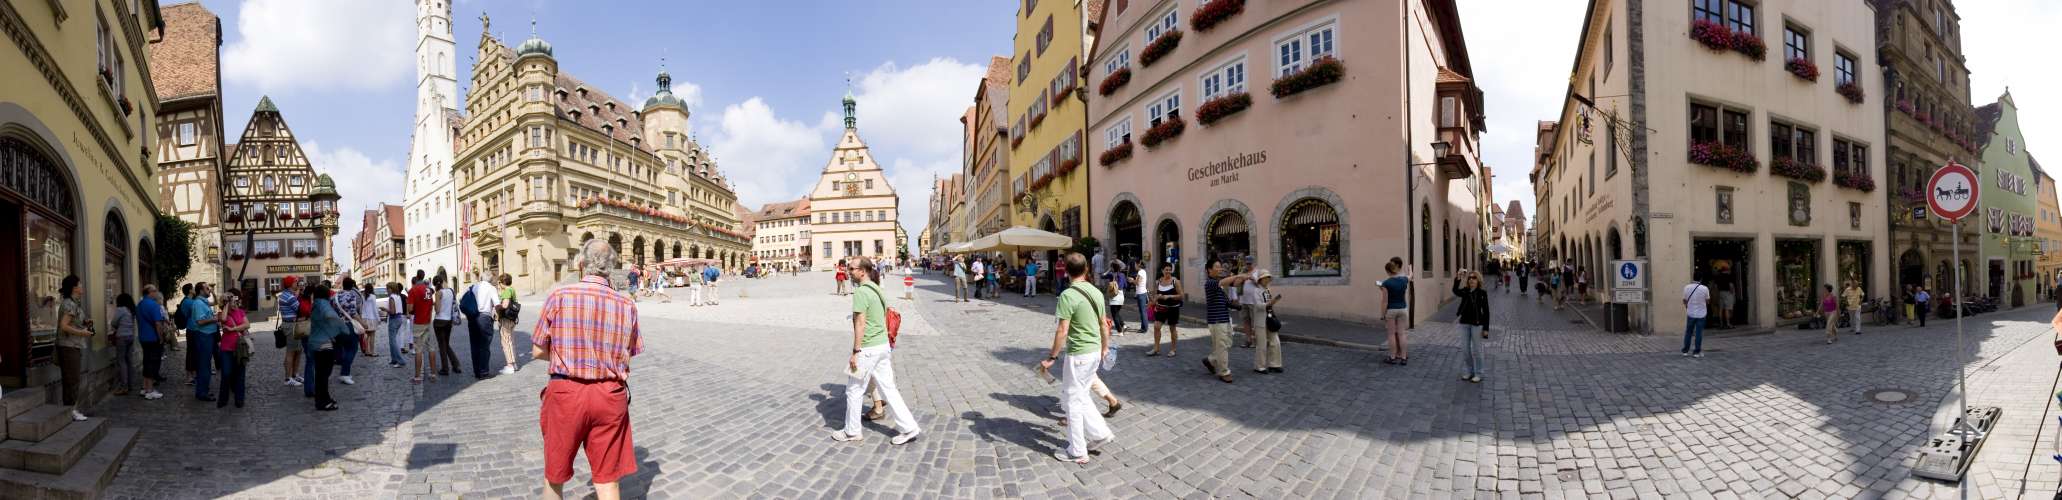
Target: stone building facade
(429,198)
(1752,171)
(854,209)
(1300,135)
(782,243)
(78,182)
(186,71)
(379,252)
(1927,123)
(2008,208)
(545,162)
(278,214)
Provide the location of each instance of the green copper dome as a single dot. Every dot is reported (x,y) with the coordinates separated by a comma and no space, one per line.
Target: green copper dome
(533,46)
(324,186)
(665,95)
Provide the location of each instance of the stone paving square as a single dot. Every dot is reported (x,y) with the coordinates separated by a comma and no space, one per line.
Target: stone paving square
(736,400)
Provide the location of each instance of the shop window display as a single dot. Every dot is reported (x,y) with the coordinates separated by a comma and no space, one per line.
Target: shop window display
(1797,271)
(1310,240)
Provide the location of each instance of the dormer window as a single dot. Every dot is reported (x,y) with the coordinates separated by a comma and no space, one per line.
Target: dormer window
(622,123)
(612,106)
(594,110)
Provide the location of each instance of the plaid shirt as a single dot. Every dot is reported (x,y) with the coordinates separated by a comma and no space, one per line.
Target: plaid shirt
(590,331)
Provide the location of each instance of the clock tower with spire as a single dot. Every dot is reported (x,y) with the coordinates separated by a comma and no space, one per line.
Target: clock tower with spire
(853,208)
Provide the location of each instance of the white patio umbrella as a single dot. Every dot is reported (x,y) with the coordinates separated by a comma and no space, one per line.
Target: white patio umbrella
(961,247)
(1020,238)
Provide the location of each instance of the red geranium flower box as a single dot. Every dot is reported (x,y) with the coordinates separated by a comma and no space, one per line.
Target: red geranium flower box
(1852,91)
(1803,68)
(1321,72)
(1856,181)
(1114,81)
(1223,106)
(1160,47)
(1789,167)
(1116,154)
(1215,12)
(1167,130)
(1723,156)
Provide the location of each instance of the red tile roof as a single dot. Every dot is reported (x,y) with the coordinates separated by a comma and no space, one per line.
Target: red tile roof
(187,62)
(1449,76)
(785,209)
(396,224)
(1987,123)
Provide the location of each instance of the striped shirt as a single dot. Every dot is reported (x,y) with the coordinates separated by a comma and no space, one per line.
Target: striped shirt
(289,306)
(590,331)
(1216,307)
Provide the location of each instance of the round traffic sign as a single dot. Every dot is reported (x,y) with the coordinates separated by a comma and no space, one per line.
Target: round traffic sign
(1952,192)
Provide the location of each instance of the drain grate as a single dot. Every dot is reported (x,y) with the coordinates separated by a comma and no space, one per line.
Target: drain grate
(1891,396)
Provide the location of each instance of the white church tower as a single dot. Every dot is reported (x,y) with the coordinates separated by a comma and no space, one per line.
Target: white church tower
(432,219)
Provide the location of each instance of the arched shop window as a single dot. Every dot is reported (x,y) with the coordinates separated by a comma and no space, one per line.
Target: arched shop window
(1310,240)
(1424,233)
(1228,239)
(115,244)
(34,188)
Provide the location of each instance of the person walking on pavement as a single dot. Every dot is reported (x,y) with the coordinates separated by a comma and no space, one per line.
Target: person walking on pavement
(872,360)
(1140,286)
(959,278)
(1922,300)
(228,356)
(1853,298)
(1259,299)
(1395,298)
(326,324)
(1083,337)
(1167,298)
(422,304)
(841,275)
(1030,278)
(122,324)
(710,277)
(507,311)
(1118,287)
(1910,304)
(369,317)
(204,326)
(1696,299)
(479,324)
(153,329)
(348,302)
(1217,318)
(443,313)
(390,309)
(980,274)
(1474,319)
(587,332)
(1829,308)
(296,326)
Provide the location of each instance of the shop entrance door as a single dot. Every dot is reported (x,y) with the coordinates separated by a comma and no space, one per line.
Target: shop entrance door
(1726,265)
(1997,278)
(14,315)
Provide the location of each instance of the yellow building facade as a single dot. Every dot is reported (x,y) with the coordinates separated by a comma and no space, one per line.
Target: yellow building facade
(78,190)
(1048,116)
(545,162)
(2047,233)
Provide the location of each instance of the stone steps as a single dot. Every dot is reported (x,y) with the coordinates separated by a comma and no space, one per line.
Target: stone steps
(57,453)
(90,475)
(38,423)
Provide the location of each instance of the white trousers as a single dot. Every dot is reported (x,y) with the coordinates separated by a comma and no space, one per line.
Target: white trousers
(710,293)
(875,365)
(1030,285)
(1267,346)
(694,295)
(1084,423)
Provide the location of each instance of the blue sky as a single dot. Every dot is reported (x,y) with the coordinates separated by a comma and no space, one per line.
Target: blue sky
(764,78)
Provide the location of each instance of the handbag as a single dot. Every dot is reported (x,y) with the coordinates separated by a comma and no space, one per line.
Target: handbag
(1274,324)
(512,310)
(893,319)
(279,337)
(244,350)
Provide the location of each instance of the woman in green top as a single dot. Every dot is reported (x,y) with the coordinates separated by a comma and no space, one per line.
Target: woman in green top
(506,319)
(1083,336)
(870,361)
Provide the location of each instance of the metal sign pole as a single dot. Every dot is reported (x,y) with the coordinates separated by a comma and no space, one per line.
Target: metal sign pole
(1961,368)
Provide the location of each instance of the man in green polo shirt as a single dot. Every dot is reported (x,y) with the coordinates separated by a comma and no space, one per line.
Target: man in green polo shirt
(1083,336)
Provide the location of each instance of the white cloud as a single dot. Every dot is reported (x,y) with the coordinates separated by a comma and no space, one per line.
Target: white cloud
(320,44)
(1521,53)
(769,158)
(1998,35)
(362,182)
(908,116)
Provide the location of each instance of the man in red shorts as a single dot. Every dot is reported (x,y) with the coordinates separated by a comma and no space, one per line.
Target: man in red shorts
(587,332)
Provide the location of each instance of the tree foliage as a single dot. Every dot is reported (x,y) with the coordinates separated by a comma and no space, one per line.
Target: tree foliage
(174,251)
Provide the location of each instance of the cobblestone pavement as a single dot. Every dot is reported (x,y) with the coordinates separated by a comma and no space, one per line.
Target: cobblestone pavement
(736,400)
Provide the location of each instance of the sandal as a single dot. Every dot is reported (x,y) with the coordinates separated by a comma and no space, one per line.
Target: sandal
(1154,353)
(880,411)
(416,381)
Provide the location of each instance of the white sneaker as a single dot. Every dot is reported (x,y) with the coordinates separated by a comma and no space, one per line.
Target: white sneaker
(293,382)
(153,395)
(1097,445)
(347,380)
(906,437)
(508,370)
(78,417)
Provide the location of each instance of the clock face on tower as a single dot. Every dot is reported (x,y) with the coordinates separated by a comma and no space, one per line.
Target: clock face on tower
(852,183)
